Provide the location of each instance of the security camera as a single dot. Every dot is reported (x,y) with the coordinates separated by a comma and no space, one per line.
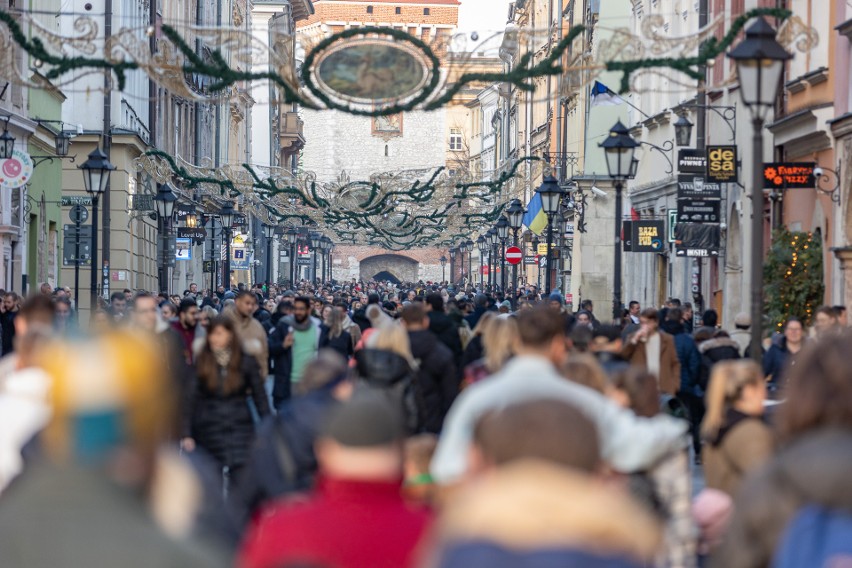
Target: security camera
(723,226)
(598,192)
(818,171)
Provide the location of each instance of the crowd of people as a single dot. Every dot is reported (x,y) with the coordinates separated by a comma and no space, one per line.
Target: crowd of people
(372,424)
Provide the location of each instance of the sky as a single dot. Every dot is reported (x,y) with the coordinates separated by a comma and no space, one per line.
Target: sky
(483,16)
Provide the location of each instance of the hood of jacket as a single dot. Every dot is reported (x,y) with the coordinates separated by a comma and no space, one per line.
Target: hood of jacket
(423,343)
(439,322)
(381,368)
(719,342)
(672,327)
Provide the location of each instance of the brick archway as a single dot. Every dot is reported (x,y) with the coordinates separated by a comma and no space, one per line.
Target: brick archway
(400,267)
(424,263)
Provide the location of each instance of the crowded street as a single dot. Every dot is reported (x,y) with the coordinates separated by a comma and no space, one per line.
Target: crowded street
(425,284)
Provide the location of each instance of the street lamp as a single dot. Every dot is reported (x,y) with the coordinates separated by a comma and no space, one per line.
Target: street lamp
(551,197)
(619,149)
(96,171)
(443,261)
(7,141)
(760,66)
(209,222)
(515,215)
(164,204)
(491,237)
(452,262)
(226,216)
(329,244)
(315,240)
(535,242)
(269,233)
(468,247)
(292,239)
(502,228)
(683,131)
(482,244)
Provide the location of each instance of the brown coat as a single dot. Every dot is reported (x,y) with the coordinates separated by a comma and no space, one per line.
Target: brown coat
(669,379)
(746,447)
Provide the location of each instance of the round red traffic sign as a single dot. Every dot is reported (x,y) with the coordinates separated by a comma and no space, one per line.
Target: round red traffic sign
(514,255)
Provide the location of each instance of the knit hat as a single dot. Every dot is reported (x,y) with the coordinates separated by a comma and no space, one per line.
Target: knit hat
(367,420)
(506,304)
(555,297)
(742,320)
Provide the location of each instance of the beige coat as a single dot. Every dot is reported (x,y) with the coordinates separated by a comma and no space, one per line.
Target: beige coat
(669,379)
(253,339)
(746,447)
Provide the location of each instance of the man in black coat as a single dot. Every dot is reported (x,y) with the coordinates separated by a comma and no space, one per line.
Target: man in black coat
(443,326)
(437,378)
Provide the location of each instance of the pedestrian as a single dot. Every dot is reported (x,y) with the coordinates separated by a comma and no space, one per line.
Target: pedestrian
(185,326)
(358,494)
(118,306)
(252,336)
(803,492)
(443,326)
(628,443)
(216,416)
(334,336)
(606,345)
(736,439)
(718,348)
(826,322)
(742,332)
(437,379)
(585,370)
(480,307)
(709,322)
(475,349)
(7,322)
(654,351)
(783,354)
(689,390)
(497,340)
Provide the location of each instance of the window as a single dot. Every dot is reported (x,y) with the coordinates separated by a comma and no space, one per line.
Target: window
(455,139)
(425,11)
(369,9)
(397,10)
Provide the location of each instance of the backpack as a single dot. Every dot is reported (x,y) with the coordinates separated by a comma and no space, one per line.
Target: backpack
(816,537)
(402,390)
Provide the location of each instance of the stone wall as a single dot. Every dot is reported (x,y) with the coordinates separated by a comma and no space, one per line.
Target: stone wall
(359,262)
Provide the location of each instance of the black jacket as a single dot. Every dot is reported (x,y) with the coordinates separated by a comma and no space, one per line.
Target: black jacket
(222,424)
(447,332)
(341,344)
(389,373)
(437,378)
(359,318)
(7,328)
(282,362)
(713,351)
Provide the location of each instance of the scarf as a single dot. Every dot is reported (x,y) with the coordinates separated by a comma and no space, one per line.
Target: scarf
(222,356)
(304,326)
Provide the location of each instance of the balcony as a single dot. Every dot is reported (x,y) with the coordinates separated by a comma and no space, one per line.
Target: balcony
(291,133)
(563,164)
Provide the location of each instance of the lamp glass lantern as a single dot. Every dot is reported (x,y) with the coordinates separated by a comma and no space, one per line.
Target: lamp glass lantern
(551,195)
(619,149)
(683,131)
(452,253)
(482,243)
(491,236)
(62,141)
(96,171)
(443,261)
(226,214)
(165,201)
(326,244)
(292,235)
(760,65)
(468,246)
(515,214)
(268,231)
(316,240)
(7,144)
(502,228)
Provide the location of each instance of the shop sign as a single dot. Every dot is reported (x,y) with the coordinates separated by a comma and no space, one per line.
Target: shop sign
(789,175)
(722,164)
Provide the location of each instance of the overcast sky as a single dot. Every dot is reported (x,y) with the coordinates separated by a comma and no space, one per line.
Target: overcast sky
(483,15)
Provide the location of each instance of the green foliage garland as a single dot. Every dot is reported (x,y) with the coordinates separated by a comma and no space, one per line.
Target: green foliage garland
(793,277)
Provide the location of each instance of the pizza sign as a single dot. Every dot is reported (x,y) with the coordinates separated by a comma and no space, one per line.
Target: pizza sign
(16,171)
(789,175)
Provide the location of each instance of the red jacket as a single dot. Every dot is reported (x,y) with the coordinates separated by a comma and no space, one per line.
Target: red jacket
(345,524)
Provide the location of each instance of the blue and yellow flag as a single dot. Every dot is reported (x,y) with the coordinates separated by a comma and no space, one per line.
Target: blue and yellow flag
(535,219)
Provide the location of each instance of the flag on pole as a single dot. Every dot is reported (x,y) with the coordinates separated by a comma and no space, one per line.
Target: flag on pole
(604,96)
(535,218)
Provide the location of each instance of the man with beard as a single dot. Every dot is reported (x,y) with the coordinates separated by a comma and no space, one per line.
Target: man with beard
(293,343)
(251,334)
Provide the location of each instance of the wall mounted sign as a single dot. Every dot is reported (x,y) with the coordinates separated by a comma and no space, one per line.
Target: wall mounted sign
(697,239)
(648,236)
(722,164)
(196,234)
(691,161)
(789,175)
(692,186)
(672,214)
(16,171)
(183,249)
(699,210)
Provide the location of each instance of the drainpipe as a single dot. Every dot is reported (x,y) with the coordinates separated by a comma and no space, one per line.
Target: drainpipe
(107,146)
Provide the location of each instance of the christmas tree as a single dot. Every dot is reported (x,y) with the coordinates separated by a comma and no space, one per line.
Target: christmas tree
(793,277)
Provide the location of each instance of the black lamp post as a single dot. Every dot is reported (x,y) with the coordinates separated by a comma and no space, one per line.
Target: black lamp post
(683,131)
(619,148)
(760,66)
(551,197)
(482,244)
(443,261)
(535,243)
(292,239)
(226,216)
(269,233)
(210,225)
(491,237)
(468,247)
(164,203)
(316,241)
(452,263)
(502,228)
(96,171)
(328,245)
(515,216)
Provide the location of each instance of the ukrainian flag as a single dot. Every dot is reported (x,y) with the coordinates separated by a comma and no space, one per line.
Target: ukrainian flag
(535,218)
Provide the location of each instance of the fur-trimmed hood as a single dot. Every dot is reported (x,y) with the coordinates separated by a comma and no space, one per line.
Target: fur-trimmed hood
(718,342)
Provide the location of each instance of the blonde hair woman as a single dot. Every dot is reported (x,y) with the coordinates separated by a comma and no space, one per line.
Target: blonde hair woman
(736,439)
(498,335)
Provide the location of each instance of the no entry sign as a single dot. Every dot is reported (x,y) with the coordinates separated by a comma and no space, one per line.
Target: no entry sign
(514,255)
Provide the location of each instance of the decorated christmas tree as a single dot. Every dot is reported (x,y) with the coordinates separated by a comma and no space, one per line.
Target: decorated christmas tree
(793,277)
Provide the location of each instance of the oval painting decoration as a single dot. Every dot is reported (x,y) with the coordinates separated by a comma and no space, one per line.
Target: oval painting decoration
(371,71)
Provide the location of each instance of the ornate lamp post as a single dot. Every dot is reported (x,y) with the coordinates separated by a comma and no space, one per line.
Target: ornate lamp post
(292,239)
(316,241)
(443,261)
(551,197)
(164,203)
(468,247)
(96,171)
(269,233)
(619,149)
(491,237)
(482,244)
(226,216)
(515,216)
(502,228)
(760,66)
(452,263)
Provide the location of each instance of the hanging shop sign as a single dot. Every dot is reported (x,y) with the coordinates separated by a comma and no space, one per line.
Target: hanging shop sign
(672,224)
(16,171)
(183,249)
(691,161)
(699,210)
(645,236)
(693,186)
(722,164)
(697,239)
(789,175)
(196,234)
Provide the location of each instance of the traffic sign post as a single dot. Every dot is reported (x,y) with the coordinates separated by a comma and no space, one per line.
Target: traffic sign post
(514,255)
